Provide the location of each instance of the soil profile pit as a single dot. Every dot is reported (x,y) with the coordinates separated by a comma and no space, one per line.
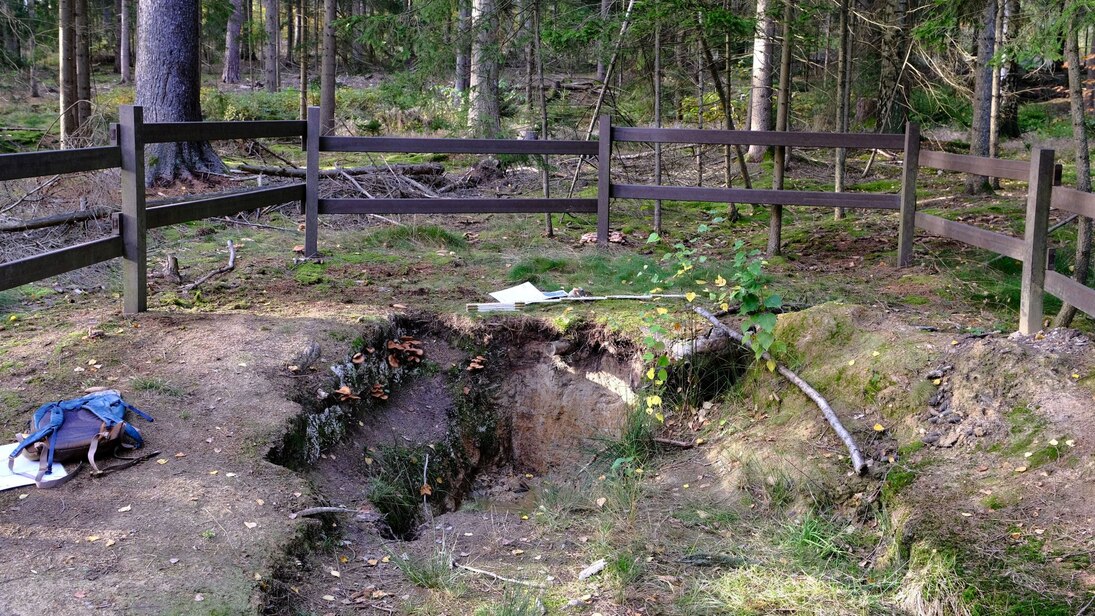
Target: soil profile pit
(424,405)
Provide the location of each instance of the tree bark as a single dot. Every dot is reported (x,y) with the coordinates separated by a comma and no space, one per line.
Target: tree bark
(302,38)
(83,64)
(327,70)
(231,71)
(982,96)
(783,106)
(995,92)
(290,32)
(843,61)
(484,116)
(892,115)
(126,37)
(66,26)
(463,49)
(169,86)
(760,101)
(270,53)
(545,171)
(1082,264)
(33,63)
(602,44)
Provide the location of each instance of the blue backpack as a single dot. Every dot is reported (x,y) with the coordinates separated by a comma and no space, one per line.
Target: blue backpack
(91,426)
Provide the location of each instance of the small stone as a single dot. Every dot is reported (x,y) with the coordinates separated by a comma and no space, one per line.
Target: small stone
(948,440)
(931,437)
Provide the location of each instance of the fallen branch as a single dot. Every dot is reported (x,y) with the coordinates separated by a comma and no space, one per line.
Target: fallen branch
(29,193)
(56,220)
(675,443)
(217,272)
(853,450)
(363,515)
(362,190)
(499,577)
(297,172)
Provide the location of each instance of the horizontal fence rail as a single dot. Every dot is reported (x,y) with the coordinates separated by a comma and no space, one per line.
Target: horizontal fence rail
(55,162)
(1071,291)
(969,234)
(36,267)
(223,205)
(748,137)
(1073,201)
(169,132)
(457,206)
(759,196)
(426,145)
(978,165)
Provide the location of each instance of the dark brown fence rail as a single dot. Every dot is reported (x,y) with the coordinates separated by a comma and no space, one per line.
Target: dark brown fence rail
(131,224)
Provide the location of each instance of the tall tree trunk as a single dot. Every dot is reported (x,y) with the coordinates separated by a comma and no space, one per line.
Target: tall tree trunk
(357,46)
(892,114)
(111,12)
(545,170)
(1082,265)
(760,105)
(602,44)
(302,29)
(270,7)
(327,70)
(33,64)
(995,92)
(169,86)
(843,96)
(126,37)
(484,116)
(83,63)
(231,71)
(783,106)
(463,49)
(1008,114)
(66,26)
(290,33)
(982,96)
(658,120)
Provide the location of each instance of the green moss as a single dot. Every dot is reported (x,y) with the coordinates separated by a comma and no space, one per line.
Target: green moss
(310,273)
(897,480)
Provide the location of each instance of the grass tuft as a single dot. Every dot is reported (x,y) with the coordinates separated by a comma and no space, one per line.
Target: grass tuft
(932,586)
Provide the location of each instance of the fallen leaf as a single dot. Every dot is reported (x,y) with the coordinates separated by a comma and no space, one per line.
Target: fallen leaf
(79,594)
(229,474)
(328,598)
(250,524)
(601,501)
(199,597)
(1021,469)
(173,561)
(425,490)
(517,552)
(372,562)
(358,358)
(93,538)
(180,455)
(125,509)
(22,496)
(213,472)
(110,542)
(851,362)
(386,559)
(344,559)
(879,427)
(966,515)
(336,573)
(378,594)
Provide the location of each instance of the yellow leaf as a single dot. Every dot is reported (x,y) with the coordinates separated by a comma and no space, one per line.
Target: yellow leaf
(662,310)
(378,594)
(653,400)
(720,281)
(386,559)
(701,282)
(879,428)
(875,354)
(936,381)
(851,362)
(685,486)
(771,365)
(1021,469)
(110,542)
(372,562)
(724,306)
(700,441)
(425,490)
(690,296)
(660,417)
(344,559)
(650,374)
(161,461)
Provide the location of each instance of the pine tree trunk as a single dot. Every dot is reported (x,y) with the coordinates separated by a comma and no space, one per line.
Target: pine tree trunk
(290,33)
(302,29)
(783,106)
(484,116)
(995,93)
(270,53)
(760,105)
(125,38)
(33,64)
(545,171)
(1082,263)
(843,61)
(891,116)
(83,64)
(66,25)
(463,49)
(169,86)
(327,69)
(658,121)
(231,71)
(982,96)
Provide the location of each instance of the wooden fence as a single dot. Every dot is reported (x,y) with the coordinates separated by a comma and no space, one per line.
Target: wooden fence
(131,134)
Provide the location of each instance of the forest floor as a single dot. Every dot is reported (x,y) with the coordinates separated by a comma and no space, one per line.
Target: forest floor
(979,500)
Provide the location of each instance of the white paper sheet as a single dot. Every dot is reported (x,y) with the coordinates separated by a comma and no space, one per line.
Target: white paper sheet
(23,465)
(525,293)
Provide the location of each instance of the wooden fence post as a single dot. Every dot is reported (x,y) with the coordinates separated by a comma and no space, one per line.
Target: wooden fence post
(311,185)
(135,267)
(1039,191)
(604,178)
(909,172)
